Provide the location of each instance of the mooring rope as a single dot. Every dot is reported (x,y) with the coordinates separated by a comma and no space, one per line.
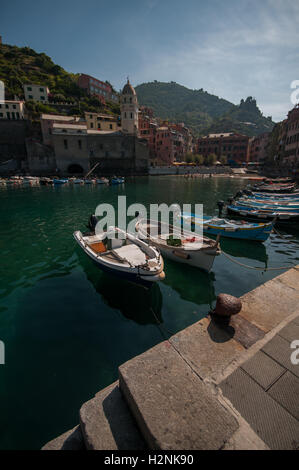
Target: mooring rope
(257,268)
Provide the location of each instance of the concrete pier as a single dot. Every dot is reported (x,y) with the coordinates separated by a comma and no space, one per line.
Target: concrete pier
(206,387)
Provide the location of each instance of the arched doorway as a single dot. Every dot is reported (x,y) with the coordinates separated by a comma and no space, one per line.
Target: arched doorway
(75,169)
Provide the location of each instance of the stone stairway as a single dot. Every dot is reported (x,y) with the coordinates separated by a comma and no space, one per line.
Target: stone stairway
(159,402)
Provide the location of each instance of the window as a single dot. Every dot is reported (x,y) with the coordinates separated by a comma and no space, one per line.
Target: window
(111,126)
(91,125)
(14,106)
(65,144)
(8,115)
(131,115)
(6,106)
(42,90)
(30,97)
(18,115)
(80,144)
(1,114)
(125,115)
(42,98)
(29,88)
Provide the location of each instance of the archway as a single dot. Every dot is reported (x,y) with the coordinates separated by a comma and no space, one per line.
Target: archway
(75,169)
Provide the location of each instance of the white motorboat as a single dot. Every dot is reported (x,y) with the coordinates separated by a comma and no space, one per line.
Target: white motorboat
(129,258)
(183,247)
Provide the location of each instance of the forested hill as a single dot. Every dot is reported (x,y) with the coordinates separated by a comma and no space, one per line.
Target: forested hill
(21,65)
(202,112)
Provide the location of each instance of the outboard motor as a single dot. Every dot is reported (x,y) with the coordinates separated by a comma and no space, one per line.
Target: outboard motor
(238,194)
(230,200)
(92,222)
(220,205)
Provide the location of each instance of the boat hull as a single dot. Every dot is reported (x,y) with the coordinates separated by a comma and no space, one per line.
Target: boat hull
(260,234)
(199,258)
(202,260)
(257,232)
(255,214)
(136,275)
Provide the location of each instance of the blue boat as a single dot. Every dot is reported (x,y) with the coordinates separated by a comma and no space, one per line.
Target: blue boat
(231,228)
(268,207)
(115,180)
(262,214)
(273,204)
(257,195)
(60,181)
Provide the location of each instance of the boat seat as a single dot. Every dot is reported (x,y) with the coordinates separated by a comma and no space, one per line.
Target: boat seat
(98,247)
(131,253)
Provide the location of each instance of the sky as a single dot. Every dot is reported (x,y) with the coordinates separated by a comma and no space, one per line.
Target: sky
(230,48)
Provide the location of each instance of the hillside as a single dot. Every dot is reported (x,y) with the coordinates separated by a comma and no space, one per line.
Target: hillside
(21,65)
(202,112)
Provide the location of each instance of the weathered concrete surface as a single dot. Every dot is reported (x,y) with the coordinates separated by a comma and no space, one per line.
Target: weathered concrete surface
(267,305)
(245,332)
(171,404)
(263,369)
(208,348)
(70,440)
(107,424)
(273,423)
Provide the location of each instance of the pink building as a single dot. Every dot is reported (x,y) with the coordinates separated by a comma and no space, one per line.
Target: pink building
(257,150)
(291,150)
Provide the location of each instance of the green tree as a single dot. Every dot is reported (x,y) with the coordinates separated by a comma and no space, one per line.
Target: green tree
(211,159)
(198,159)
(189,157)
(223,159)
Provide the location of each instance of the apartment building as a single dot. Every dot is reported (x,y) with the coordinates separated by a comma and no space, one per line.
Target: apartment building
(94,87)
(14,110)
(102,122)
(36,92)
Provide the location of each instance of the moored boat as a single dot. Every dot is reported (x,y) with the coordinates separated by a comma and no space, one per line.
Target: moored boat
(182,247)
(102,180)
(231,228)
(117,180)
(129,257)
(60,180)
(262,214)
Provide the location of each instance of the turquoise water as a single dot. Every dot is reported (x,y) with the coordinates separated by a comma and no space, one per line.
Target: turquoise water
(67,326)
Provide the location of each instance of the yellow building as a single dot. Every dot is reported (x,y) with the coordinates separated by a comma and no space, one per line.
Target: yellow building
(101,122)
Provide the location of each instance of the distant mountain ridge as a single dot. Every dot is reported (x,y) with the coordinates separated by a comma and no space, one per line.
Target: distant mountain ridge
(202,112)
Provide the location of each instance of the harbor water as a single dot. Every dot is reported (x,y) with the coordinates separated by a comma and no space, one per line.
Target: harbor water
(66,326)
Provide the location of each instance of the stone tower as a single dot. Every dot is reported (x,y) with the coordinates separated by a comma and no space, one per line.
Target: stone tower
(129,109)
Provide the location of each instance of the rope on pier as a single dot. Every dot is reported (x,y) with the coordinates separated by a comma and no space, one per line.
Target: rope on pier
(256,268)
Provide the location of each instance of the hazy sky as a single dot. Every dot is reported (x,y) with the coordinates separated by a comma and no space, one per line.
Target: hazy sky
(231,48)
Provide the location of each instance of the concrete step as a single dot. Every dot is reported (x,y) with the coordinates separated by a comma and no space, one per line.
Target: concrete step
(70,440)
(172,406)
(107,424)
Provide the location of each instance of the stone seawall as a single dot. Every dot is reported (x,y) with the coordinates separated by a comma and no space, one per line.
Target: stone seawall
(207,387)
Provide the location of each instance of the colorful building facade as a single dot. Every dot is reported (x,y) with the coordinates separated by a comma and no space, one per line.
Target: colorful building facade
(258,146)
(233,146)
